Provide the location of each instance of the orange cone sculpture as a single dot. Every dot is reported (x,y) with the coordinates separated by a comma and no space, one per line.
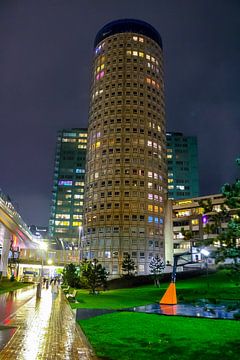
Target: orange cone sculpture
(170,296)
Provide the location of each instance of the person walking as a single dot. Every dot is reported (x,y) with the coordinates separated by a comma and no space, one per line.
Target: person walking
(54,288)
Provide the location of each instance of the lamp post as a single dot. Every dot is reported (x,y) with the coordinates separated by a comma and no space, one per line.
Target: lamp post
(206,253)
(43,247)
(80,243)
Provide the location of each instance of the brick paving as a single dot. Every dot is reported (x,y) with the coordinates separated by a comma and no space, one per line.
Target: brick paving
(46,329)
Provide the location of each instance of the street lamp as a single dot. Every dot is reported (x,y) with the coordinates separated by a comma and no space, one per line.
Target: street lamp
(43,247)
(80,243)
(206,254)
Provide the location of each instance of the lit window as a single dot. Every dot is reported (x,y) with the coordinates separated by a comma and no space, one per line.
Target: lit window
(195,222)
(65,182)
(150,185)
(150,196)
(140,39)
(156,208)
(148,57)
(150,173)
(150,208)
(156,220)
(135,53)
(141,54)
(135,38)
(129,52)
(149,143)
(76,223)
(150,219)
(148,80)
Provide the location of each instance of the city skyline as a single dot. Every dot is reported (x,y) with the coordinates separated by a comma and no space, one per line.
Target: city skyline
(46,86)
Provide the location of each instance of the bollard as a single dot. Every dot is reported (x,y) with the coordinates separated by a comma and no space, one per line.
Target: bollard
(38,290)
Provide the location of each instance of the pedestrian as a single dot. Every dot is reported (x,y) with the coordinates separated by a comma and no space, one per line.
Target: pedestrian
(54,288)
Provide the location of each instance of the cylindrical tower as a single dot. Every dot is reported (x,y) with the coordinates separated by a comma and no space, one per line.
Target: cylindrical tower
(126,156)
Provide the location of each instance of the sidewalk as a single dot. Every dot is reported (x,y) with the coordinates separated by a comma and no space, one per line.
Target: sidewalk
(46,330)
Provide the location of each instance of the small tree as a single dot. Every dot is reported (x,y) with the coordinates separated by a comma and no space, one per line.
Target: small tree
(94,275)
(70,275)
(156,267)
(128,265)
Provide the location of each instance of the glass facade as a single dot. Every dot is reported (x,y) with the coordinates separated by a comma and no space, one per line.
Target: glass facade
(126,171)
(68,189)
(182,159)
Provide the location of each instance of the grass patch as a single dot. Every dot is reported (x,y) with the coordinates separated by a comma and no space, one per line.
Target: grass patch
(216,286)
(138,336)
(7,285)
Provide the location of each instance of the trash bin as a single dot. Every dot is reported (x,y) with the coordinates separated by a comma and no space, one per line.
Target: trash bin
(38,290)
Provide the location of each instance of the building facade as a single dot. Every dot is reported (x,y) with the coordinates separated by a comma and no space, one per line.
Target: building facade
(182,159)
(126,172)
(188,216)
(68,189)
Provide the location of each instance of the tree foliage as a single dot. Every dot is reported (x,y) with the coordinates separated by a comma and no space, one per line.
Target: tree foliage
(94,275)
(156,267)
(71,276)
(128,266)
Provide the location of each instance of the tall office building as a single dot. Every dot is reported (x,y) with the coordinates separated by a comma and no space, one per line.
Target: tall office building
(68,189)
(126,172)
(182,159)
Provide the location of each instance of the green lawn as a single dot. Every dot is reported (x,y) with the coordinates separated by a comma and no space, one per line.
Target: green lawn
(137,336)
(7,285)
(215,286)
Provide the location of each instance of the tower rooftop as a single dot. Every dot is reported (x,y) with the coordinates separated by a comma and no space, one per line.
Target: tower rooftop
(128,25)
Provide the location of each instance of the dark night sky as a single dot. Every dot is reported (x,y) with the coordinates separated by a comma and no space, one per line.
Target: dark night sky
(45,61)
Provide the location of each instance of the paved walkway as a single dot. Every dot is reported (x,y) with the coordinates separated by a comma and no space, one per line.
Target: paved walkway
(46,329)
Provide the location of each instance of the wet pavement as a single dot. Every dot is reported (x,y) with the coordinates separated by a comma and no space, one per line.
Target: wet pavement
(45,329)
(10,302)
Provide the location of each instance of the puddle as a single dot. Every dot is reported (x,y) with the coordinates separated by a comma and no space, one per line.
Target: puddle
(205,311)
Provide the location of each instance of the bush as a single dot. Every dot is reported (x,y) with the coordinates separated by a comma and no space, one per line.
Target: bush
(237,315)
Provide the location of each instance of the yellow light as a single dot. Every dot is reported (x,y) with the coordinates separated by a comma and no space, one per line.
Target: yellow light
(49,261)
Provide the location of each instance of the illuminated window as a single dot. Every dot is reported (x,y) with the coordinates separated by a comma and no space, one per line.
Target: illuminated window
(150,207)
(62,223)
(156,208)
(140,39)
(62,216)
(149,143)
(80,171)
(141,54)
(76,223)
(170,187)
(150,173)
(129,52)
(150,185)
(148,57)
(65,182)
(170,181)
(150,196)
(135,53)
(195,222)
(77,217)
(150,219)
(135,38)
(148,80)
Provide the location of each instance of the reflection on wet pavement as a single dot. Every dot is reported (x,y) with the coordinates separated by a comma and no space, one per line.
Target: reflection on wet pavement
(5,335)
(46,330)
(10,302)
